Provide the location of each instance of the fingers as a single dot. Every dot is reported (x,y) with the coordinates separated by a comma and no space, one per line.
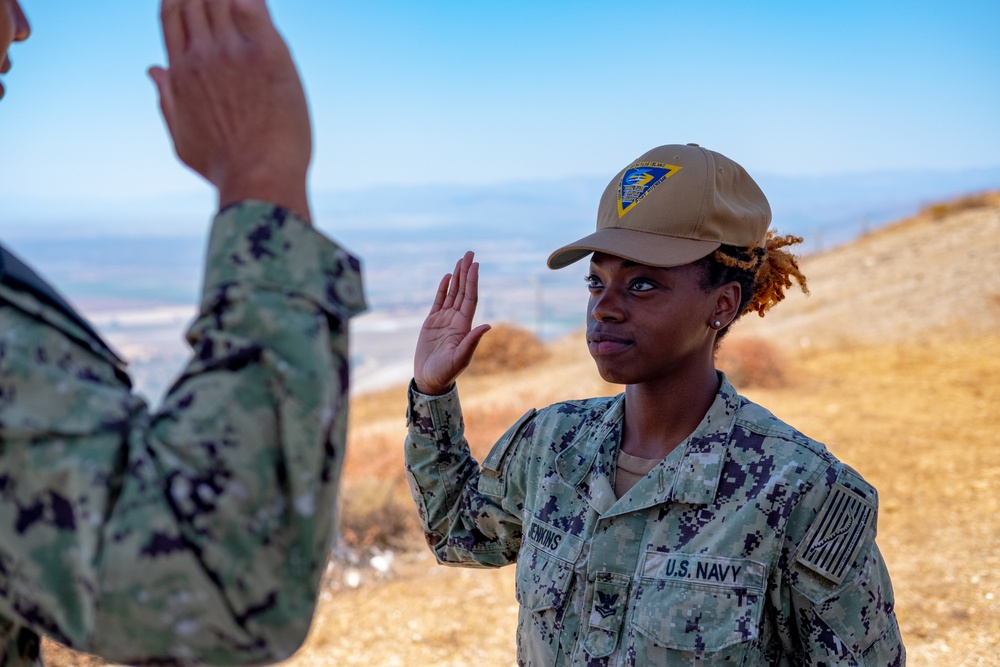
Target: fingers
(220,19)
(470,291)
(187,22)
(195,18)
(173,29)
(463,290)
(252,18)
(456,278)
(442,292)
(467,348)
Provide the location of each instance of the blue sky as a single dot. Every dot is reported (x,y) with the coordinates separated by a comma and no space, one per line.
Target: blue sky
(416,93)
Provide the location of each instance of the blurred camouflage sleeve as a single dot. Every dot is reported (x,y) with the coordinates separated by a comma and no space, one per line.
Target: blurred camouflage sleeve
(197,533)
(834,600)
(471,516)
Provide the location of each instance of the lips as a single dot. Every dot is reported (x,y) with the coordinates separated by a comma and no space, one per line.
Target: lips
(602,344)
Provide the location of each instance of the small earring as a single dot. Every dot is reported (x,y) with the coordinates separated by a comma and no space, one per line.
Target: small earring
(717,324)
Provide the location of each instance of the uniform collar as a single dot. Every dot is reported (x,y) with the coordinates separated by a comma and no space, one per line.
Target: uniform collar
(585,463)
(690,474)
(696,480)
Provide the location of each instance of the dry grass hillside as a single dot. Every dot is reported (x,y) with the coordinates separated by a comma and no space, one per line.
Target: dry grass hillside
(930,276)
(891,361)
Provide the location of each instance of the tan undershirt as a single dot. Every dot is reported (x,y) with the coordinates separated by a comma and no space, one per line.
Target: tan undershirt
(630,470)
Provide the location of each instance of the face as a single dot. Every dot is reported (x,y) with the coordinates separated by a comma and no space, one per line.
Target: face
(646,323)
(13,28)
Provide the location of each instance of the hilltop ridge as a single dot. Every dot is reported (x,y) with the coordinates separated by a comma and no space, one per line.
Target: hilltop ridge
(935,273)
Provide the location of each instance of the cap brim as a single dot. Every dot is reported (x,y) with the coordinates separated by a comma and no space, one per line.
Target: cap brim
(641,247)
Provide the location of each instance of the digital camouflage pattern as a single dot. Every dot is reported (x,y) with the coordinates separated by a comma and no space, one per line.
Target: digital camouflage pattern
(749,544)
(198,532)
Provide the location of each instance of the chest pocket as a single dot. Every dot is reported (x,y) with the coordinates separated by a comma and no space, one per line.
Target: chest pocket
(545,566)
(697,607)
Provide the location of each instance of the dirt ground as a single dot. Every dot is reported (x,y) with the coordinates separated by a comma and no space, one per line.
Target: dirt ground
(892,362)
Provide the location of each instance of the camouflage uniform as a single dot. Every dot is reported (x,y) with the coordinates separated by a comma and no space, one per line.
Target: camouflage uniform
(749,544)
(200,531)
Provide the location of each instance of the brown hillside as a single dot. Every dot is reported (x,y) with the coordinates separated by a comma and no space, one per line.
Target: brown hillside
(935,274)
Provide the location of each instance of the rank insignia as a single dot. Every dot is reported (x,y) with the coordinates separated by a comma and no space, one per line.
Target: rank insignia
(638,180)
(606,604)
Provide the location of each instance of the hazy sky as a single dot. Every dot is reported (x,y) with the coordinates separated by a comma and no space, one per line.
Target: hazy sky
(473,92)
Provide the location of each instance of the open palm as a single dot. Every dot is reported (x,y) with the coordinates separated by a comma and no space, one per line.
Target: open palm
(447,340)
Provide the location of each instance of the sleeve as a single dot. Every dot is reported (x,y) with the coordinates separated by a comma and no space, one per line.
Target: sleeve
(470,516)
(835,601)
(197,533)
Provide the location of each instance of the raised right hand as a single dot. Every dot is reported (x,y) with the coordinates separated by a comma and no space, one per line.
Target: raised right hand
(447,341)
(233,101)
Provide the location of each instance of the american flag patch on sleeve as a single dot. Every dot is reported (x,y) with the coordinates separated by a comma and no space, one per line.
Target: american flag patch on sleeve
(838,533)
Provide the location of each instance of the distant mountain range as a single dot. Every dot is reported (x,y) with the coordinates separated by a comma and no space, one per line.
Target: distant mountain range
(826,209)
(549,210)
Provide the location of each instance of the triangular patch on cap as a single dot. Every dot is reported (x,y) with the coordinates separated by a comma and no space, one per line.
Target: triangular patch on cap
(638,180)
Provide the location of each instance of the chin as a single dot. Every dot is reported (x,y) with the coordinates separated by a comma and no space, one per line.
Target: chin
(613,374)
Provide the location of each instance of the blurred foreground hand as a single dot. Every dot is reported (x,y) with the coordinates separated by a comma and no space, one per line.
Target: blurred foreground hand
(233,101)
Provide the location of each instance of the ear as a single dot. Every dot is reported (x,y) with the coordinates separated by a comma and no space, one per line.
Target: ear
(727,305)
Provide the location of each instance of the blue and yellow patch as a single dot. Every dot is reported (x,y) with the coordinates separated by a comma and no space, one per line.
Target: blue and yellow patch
(638,180)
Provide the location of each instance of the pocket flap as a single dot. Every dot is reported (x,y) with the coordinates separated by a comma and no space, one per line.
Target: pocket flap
(541,581)
(698,603)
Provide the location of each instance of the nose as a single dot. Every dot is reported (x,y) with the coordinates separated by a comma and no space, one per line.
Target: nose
(22,29)
(605,306)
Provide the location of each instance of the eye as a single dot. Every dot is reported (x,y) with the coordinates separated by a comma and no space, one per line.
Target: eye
(641,285)
(593,282)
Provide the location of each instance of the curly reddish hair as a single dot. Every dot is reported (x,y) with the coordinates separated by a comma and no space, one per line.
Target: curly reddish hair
(763,272)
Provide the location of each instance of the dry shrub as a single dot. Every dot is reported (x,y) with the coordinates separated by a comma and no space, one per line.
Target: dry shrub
(751,362)
(506,348)
(378,513)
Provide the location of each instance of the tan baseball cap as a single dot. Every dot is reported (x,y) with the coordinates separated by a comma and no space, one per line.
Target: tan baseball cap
(673,205)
